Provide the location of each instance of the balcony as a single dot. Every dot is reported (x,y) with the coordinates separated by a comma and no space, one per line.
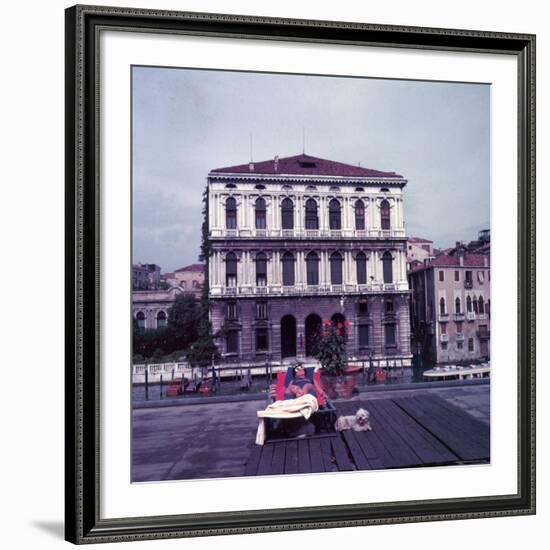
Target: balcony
(459,316)
(302,289)
(468,283)
(444,337)
(471,316)
(460,337)
(444,317)
(296,233)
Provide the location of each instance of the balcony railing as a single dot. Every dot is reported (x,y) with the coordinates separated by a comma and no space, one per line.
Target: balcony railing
(252,233)
(468,283)
(460,337)
(471,316)
(444,317)
(459,316)
(301,289)
(444,337)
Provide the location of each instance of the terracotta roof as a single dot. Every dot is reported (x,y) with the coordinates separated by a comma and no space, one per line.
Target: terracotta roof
(168,275)
(192,267)
(446,260)
(419,240)
(305,165)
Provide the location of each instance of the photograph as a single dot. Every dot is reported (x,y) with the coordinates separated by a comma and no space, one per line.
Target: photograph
(310,273)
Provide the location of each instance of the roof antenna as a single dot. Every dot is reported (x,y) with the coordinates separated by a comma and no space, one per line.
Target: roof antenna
(303,141)
(251,163)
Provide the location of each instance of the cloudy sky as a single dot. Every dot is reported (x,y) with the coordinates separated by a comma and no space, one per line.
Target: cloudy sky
(188,122)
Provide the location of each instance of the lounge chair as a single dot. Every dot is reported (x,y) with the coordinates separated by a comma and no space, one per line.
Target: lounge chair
(322,420)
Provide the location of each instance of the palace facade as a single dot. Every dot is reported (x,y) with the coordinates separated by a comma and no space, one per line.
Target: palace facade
(301,239)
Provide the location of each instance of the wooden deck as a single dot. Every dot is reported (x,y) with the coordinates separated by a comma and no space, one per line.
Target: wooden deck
(406,432)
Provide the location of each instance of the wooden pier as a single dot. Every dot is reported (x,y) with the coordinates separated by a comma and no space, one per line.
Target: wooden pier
(406,432)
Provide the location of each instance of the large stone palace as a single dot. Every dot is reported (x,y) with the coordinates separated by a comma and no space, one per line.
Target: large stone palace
(301,239)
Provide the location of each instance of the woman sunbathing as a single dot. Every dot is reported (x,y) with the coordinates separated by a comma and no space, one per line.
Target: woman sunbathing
(299,385)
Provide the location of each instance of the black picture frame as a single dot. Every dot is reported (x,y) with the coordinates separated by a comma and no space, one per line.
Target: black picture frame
(82,520)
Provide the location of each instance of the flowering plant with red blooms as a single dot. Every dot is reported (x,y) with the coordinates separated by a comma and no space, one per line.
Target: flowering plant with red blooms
(332,348)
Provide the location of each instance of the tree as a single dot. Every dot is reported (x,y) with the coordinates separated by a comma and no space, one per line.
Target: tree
(204,349)
(184,319)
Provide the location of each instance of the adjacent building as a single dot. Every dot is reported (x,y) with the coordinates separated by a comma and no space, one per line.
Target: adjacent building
(451,307)
(190,278)
(419,249)
(301,239)
(145,276)
(140,279)
(150,307)
(151,304)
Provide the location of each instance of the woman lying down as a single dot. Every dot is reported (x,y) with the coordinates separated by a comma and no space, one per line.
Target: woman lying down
(300,401)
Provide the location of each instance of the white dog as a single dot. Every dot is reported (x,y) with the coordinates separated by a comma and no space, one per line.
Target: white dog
(358,422)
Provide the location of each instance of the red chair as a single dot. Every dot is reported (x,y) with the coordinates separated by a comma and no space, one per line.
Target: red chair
(323,419)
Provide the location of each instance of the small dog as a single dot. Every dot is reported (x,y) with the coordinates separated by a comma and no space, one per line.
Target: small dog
(359,422)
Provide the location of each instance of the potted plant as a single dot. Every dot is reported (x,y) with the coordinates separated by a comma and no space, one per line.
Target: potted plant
(336,379)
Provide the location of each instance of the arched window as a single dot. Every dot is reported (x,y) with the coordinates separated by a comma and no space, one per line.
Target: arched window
(312,219)
(387,267)
(481,305)
(468,304)
(231,213)
(442,308)
(260,213)
(161,319)
(261,269)
(475,305)
(287,214)
(488,308)
(231,269)
(361,265)
(334,215)
(385,214)
(288,269)
(457,305)
(336,263)
(312,269)
(140,320)
(359,215)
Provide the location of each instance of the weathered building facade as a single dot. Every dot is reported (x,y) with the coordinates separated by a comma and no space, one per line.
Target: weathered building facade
(298,240)
(451,307)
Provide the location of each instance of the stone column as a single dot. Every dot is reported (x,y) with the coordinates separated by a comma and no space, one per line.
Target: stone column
(323,223)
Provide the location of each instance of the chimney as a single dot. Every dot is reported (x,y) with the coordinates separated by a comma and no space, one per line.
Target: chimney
(251,166)
(276,163)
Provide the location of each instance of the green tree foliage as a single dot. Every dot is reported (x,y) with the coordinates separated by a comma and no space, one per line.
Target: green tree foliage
(204,349)
(183,321)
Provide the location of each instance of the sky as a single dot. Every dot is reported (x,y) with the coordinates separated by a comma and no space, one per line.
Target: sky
(186,122)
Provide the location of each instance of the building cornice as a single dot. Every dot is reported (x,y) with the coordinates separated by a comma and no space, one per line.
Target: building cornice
(306,179)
